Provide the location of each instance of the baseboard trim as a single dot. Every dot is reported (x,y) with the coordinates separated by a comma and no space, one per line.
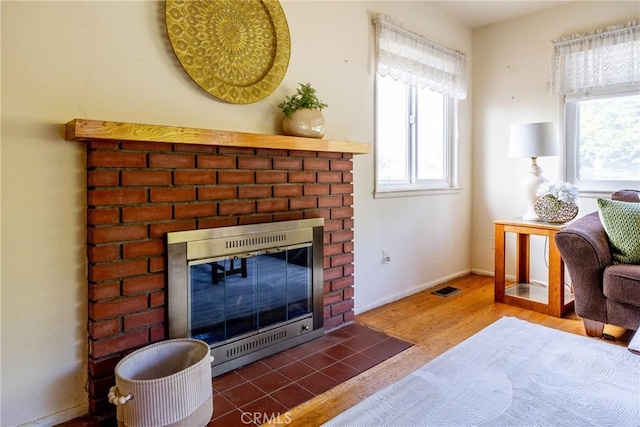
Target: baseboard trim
(509,277)
(60,416)
(420,288)
(482,272)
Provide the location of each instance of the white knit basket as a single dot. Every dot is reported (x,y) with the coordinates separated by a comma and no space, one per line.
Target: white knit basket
(164,384)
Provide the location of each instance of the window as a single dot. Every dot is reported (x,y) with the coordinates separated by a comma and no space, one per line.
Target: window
(413,137)
(603,142)
(598,74)
(417,87)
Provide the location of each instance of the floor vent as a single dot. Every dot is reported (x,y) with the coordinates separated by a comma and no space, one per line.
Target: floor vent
(446,291)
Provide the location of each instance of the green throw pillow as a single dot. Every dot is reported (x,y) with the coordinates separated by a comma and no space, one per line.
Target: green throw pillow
(621,221)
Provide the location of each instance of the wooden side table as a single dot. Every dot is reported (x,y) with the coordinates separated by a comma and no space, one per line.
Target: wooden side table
(556,304)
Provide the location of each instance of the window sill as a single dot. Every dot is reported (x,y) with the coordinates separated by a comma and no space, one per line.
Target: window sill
(388,194)
(593,194)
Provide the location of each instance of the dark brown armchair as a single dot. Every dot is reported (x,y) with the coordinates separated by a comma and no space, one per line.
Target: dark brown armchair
(605,293)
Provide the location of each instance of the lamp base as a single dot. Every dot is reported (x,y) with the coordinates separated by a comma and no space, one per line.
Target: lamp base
(530,185)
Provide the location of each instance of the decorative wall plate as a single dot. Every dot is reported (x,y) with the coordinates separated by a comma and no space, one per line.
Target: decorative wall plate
(237,50)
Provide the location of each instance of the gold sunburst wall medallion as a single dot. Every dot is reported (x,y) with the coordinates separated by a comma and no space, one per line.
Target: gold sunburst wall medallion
(237,50)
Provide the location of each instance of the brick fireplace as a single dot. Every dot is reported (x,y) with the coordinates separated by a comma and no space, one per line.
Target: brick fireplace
(144,181)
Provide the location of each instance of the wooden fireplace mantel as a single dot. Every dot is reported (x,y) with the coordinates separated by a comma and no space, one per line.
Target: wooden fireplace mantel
(87,130)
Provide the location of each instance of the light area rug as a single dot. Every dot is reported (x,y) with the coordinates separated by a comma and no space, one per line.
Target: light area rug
(512,373)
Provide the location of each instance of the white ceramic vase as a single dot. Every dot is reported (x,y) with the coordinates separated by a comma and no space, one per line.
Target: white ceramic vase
(305,122)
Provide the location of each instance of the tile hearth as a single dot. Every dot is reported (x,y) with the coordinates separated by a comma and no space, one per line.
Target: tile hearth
(278,383)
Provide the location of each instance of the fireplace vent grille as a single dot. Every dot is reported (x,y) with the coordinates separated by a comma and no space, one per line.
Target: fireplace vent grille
(257,342)
(258,240)
(254,347)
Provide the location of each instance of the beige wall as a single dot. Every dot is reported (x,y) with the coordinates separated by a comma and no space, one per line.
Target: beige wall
(111,60)
(511,65)
(426,237)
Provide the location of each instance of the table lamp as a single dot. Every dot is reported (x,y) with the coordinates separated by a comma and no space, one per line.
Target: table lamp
(532,140)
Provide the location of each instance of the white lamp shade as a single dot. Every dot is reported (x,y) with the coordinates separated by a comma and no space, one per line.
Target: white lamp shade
(533,140)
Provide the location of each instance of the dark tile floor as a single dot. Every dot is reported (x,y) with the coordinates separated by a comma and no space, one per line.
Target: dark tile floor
(270,387)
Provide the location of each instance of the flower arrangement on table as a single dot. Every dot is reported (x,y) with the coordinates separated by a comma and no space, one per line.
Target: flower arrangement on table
(557,202)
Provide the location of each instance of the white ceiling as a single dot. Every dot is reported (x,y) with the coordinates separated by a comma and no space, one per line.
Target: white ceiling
(476,14)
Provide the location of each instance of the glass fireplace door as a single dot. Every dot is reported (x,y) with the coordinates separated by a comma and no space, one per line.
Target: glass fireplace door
(236,296)
(299,281)
(284,285)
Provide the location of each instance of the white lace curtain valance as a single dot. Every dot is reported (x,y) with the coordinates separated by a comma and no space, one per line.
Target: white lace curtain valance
(600,59)
(411,58)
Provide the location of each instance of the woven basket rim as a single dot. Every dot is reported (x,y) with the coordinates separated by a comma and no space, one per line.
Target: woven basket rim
(167,378)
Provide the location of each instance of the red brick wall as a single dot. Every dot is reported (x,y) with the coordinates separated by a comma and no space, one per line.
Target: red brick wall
(137,192)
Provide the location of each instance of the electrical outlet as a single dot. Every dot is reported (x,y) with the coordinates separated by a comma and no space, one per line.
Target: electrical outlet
(386,259)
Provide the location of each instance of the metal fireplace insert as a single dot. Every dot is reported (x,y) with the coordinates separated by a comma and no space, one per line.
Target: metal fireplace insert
(248,291)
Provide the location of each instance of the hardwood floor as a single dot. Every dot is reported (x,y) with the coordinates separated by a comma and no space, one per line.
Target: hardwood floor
(434,324)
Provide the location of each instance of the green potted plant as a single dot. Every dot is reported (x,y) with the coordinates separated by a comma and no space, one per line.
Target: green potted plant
(302,113)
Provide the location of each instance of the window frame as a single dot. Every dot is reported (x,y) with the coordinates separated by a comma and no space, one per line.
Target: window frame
(593,188)
(414,186)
